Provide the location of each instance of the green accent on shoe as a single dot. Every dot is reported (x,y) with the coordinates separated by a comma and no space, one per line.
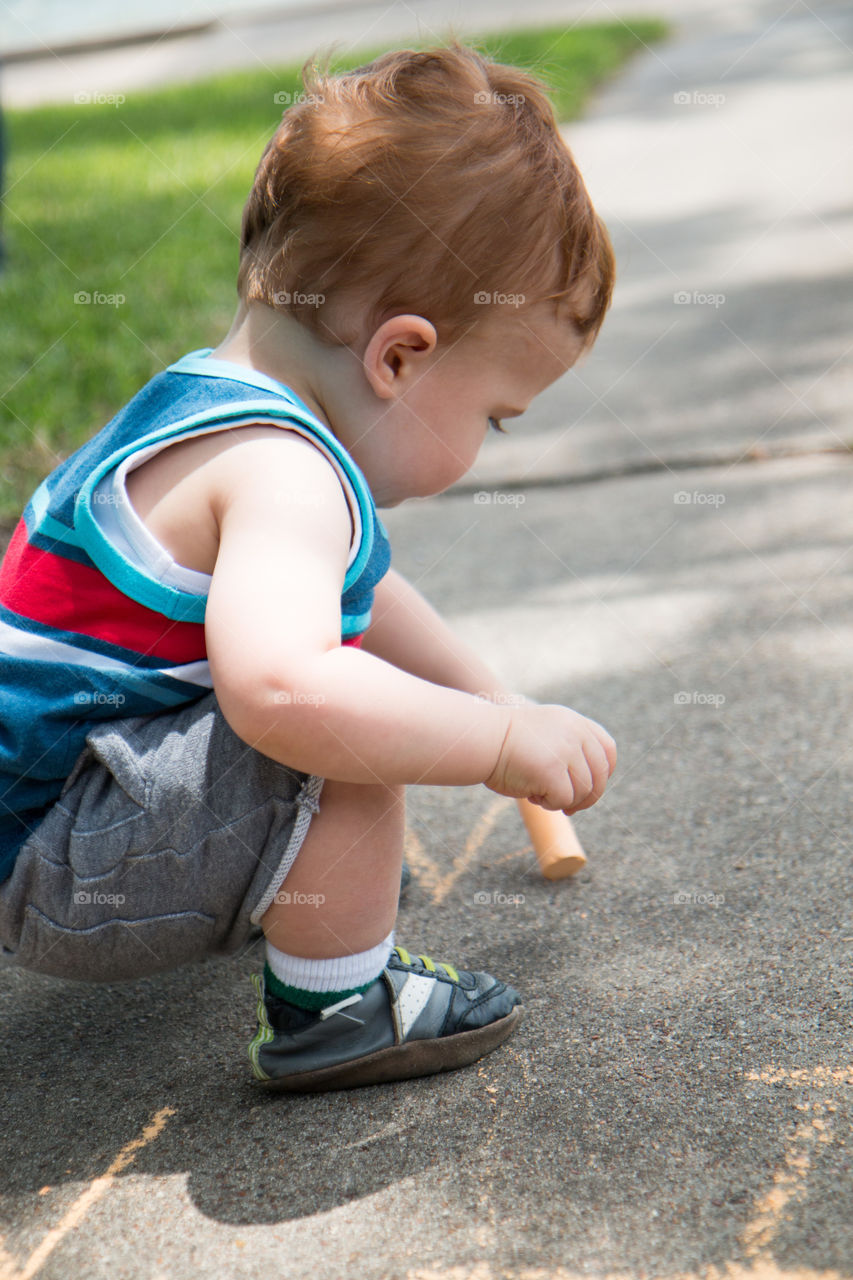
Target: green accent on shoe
(429,964)
(264,1033)
(308,999)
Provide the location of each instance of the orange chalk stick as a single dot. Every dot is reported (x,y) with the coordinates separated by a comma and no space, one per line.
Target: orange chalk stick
(555,844)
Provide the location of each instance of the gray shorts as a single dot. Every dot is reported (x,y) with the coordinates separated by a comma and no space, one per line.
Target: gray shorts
(168,842)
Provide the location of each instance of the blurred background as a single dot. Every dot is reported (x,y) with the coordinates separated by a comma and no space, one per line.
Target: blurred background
(28,24)
(133,136)
(712,138)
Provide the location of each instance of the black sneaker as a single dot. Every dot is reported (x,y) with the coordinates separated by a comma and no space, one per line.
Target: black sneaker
(416,1019)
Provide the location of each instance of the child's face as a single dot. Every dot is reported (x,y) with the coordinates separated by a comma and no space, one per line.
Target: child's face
(435,424)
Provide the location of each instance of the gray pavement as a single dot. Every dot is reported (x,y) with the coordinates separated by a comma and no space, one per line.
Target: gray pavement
(677,1101)
(720,165)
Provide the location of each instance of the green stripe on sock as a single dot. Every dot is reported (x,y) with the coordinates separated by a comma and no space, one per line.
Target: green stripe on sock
(307,999)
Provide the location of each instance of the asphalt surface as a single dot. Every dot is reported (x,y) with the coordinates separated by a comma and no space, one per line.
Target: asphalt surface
(676,1103)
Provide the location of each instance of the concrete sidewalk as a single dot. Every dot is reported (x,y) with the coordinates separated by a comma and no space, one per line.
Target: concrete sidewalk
(720,163)
(678,1096)
(676,1104)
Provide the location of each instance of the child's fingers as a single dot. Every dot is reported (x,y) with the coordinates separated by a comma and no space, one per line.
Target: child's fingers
(599,760)
(607,744)
(565,789)
(598,765)
(580,778)
(586,776)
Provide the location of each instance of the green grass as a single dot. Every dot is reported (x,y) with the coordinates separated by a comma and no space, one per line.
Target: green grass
(143,200)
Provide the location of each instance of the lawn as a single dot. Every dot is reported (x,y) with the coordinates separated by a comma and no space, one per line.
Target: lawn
(137,207)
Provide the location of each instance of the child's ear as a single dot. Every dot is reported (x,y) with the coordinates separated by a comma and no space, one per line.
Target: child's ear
(396,354)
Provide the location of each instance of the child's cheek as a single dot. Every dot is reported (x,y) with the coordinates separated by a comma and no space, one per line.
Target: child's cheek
(442,468)
(461,457)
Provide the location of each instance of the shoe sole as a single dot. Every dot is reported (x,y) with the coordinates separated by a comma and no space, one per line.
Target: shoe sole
(403,1061)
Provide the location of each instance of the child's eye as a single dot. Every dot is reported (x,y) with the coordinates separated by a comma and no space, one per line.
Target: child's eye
(496,426)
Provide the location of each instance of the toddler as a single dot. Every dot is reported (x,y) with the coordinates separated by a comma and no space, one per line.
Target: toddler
(215,689)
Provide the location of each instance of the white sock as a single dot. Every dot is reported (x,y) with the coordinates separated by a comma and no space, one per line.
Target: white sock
(336,975)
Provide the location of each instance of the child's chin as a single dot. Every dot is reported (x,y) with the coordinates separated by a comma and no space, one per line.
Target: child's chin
(393,499)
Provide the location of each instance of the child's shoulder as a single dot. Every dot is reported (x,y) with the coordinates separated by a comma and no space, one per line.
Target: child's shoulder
(175,493)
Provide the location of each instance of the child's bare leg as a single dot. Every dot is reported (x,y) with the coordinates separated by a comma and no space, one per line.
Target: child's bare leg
(337,1007)
(340,897)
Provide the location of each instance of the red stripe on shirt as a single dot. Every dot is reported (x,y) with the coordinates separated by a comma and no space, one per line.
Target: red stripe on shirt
(63,593)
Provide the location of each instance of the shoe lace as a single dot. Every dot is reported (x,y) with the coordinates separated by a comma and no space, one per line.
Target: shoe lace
(430,965)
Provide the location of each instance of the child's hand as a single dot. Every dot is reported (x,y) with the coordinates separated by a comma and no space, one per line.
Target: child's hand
(555,757)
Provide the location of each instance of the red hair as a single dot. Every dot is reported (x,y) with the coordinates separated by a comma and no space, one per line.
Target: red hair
(422,183)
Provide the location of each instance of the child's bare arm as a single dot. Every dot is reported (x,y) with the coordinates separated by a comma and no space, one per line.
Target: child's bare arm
(282,678)
(405,629)
(288,687)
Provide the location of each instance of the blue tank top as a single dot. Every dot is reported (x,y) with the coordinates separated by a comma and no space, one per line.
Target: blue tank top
(96,620)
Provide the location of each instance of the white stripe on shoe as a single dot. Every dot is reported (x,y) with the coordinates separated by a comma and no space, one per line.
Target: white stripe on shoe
(410,1002)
